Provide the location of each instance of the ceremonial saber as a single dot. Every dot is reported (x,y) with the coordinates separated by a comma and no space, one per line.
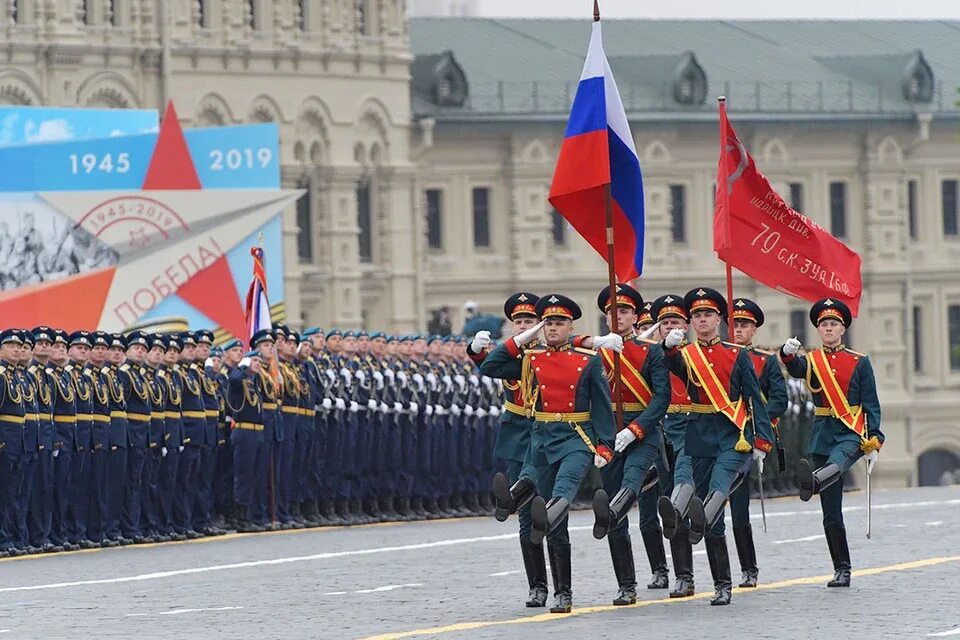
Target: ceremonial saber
(869,502)
(763,506)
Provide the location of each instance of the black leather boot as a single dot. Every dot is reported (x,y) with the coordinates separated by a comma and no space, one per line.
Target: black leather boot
(621,552)
(653,543)
(536,569)
(702,520)
(840,554)
(810,482)
(747,553)
(720,569)
(674,509)
(546,516)
(560,567)
(606,516)
(682,553)
(509,499)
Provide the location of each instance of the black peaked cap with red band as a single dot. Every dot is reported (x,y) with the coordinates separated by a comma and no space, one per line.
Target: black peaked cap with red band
(557,305)
(626,295)
(521,303)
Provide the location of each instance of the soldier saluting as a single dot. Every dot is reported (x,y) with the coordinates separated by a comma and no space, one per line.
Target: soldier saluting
(565,390)
(846,424)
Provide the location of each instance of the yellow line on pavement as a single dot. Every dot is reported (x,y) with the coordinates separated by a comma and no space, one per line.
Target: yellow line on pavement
(582,611)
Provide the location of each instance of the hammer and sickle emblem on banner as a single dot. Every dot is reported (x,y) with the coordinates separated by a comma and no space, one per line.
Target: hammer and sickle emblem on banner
(741,166)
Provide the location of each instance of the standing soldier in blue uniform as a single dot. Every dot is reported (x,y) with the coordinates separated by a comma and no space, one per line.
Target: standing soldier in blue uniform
(31,439)
(312,481)
(645,396)
(203,506)
(12,412)
(131,375)
(513,492)
(747,317)
(79,494)
(64,441)
(725,396)
(846,426)
(193,417)
(294,443)
(152,523)
(99,459)
(172,437)
(246,410)
(565,390)
(223,479)
(119,440)
(40,519)
(266,497)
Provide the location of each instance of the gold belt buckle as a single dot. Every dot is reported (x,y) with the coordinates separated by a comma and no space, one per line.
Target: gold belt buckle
(529,412)
(559,416)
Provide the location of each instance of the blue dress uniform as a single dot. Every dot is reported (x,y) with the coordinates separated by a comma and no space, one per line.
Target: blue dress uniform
(266,509)
(294,445)
(79,494)
(31,444)
(167,489)
(774,391)
(726,395)
(64,448)
(846,426)
(223,478)
(676,470)
(312,482)
(152,521)
(516,489)
(117,458)
(335,499)
(203,507)
(567,391)
(194,428)
(98,457)
(11,442)
(245,407)
(131,376)
(645,395)
(40,520)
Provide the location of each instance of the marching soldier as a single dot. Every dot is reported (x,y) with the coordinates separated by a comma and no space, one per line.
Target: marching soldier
(847,422)
(131,375)
(645,317)
(677,480)
(515,490)
(726,395)
(747,317)
(12,450)
(644,398)
(565,390)
(64,441)
(40,518)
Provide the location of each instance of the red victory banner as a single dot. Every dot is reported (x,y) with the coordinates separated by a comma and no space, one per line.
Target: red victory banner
(757,232)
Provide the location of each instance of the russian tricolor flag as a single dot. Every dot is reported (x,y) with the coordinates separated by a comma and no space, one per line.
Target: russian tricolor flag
(258,307)
(598,150)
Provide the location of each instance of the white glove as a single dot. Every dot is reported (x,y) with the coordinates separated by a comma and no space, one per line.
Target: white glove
(378,378)
(481,413)
(598,461)
(354,407)
(440,411)
(415,408)
(480,341)
(389,373)
(339,404)
(674,338)
(361,376)
(163,452)
(431,378)
(460,380)
(327,404)
(429,410)
(526,336)
(208,363)
(624,438)
(474,380)
(791,346)
(402,377)
(759,455)
(180,449)
(488,383)
(384,408)
(244,363)
(56,452)
(331,375)
(448,381)
(372,404)
(495,411)
(468,409)
(612,341)
(455,410)
(871,460)
(397,407)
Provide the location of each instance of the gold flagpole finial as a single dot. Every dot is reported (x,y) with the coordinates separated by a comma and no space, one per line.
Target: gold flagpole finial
(596,11)
(260,238)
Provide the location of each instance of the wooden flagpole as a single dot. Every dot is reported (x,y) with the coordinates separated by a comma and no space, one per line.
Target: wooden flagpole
(725,196)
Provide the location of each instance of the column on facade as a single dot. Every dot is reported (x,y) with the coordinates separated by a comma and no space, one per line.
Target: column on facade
(339,245)
(400,247)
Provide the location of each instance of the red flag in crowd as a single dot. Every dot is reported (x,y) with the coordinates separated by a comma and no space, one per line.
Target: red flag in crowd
(755,231)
